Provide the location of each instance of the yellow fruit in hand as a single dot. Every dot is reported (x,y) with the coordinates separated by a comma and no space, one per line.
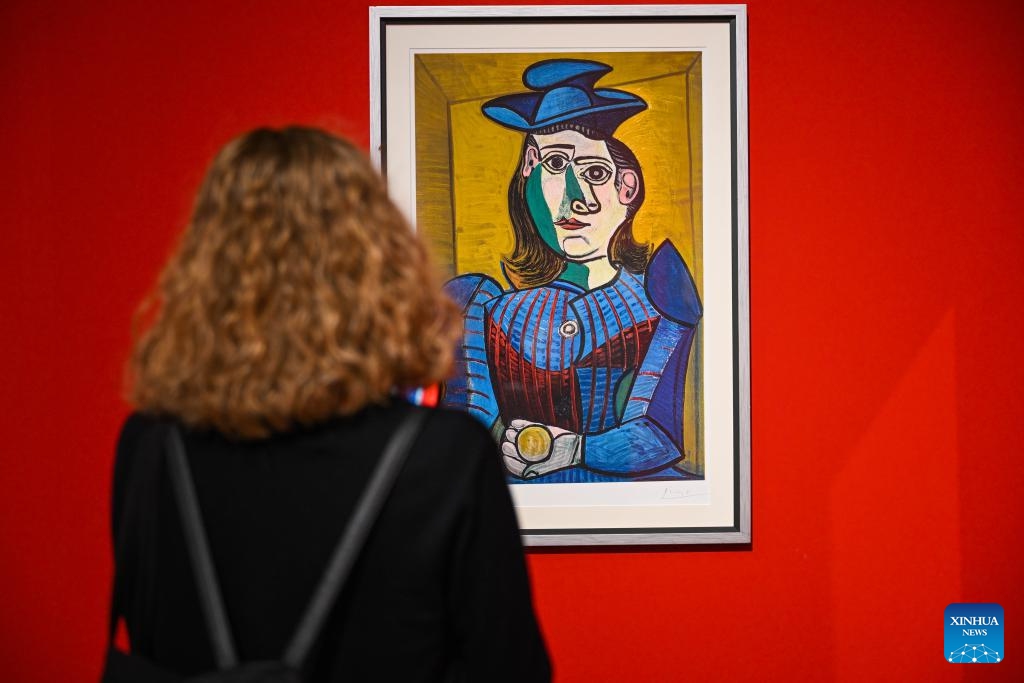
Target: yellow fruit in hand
(534,443)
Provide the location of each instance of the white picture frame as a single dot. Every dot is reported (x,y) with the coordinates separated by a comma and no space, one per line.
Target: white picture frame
(714,509)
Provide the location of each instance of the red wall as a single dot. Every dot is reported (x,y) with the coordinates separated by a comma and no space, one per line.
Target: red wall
(886,248)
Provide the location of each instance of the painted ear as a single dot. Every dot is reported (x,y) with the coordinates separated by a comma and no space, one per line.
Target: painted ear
(628,184)
(530,161)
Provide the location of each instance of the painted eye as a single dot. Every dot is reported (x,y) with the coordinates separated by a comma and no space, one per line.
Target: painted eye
(596,174)
(556,163)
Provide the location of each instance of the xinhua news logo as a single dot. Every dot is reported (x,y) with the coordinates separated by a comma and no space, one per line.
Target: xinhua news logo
(974,633)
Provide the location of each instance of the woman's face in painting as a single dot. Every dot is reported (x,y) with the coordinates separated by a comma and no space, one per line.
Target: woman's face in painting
(572,194)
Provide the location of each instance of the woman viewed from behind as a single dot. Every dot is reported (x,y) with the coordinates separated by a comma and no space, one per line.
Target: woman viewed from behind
(295,309)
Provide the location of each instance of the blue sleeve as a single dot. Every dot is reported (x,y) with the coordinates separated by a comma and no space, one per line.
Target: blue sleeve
(470,387)
(650,436)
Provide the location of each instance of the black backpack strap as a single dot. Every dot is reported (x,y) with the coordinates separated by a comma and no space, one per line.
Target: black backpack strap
(210,598)
(352,540)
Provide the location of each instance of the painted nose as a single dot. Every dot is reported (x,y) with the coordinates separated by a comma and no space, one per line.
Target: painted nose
(581,195)
(586,205)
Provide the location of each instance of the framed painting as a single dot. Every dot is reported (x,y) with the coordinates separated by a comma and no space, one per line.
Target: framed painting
(580,172)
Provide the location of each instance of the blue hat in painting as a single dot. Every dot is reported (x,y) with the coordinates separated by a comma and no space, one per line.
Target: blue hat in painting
(564,92)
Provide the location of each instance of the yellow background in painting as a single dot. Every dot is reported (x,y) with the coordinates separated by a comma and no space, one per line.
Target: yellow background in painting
(465,162)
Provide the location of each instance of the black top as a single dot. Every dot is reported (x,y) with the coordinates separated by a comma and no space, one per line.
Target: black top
(441,579)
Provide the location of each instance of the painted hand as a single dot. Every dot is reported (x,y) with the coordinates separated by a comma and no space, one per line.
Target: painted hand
(531,449)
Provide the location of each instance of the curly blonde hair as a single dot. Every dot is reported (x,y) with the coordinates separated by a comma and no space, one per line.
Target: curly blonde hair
(297,293)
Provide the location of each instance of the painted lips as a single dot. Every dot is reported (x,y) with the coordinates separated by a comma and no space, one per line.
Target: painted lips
(570,224)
